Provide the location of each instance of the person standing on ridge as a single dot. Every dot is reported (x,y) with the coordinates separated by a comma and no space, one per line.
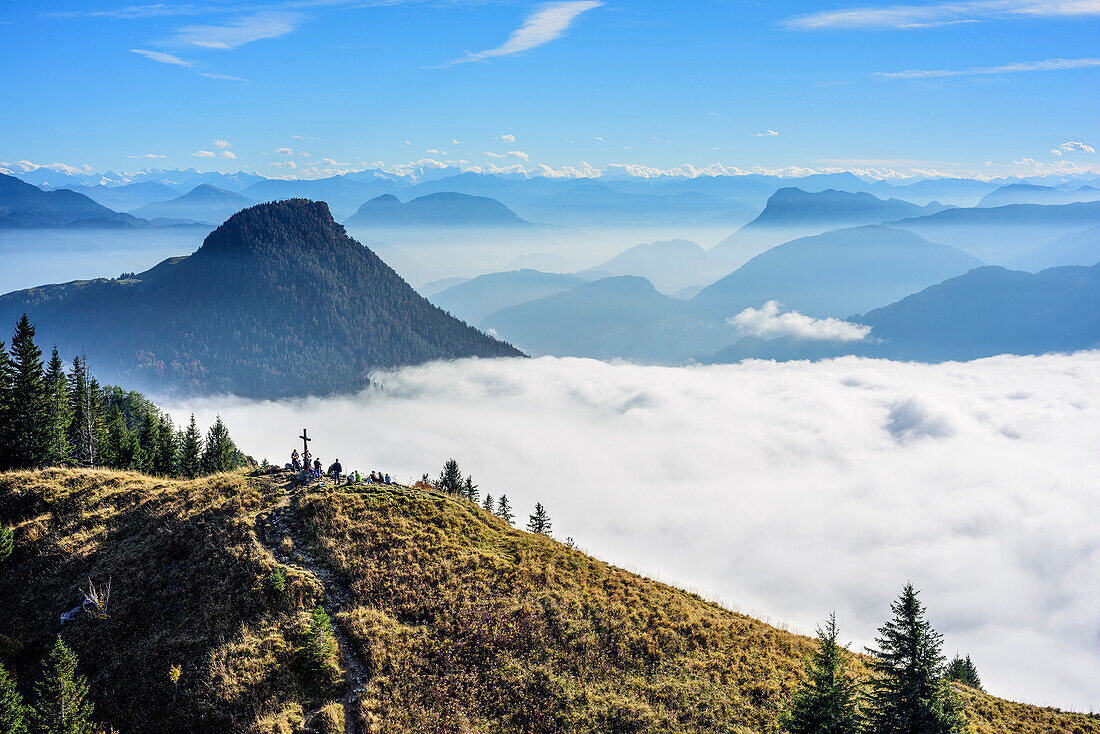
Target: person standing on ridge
(317,468)
(337,470)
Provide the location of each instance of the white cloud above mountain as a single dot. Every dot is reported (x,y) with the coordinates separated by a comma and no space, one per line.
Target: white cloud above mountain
(771,322)
(1072,146)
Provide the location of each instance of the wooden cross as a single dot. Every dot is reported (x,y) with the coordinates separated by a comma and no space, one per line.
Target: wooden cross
(305,446)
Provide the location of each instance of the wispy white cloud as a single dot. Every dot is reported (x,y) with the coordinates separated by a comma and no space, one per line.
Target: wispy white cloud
(283,164)
(147,155)
(433,151)
(285,151)
(765,134)
(456,141)
(1048,65)
(510,154)
(546,24)
(507,138)
(246,29)
(1071,146)
(938,14)
(228,154)
(225,77)
(163,58)
(769,322)
(203,154)
(222,144)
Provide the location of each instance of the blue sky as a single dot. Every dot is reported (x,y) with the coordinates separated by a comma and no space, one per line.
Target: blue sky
(312,87)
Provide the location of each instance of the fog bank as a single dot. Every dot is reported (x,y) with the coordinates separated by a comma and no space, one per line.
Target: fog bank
(783,490)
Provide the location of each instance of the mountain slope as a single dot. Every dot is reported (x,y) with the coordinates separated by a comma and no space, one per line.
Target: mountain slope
(1000,234)
(23,206)
(601,205)
(1076,248)
(278,301)
(475,299)
(445,209)
(1020,193)
(127,197)
(792,213)
(343,194)
(993,311)
(204,203)
(460,622)
(838,273)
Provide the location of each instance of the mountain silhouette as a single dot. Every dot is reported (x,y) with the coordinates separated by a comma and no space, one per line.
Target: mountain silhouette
(444,209)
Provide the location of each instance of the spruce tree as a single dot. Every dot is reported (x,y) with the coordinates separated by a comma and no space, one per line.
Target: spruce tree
(450,479)
(469,490)
(219,454)
(27,417)
(13,714)
(487,504)
(909,694)
(164,464)
(539,522)
(148,440)
(962,670)
(118,451)
(57,412)
(504,509)
(828,700)
(61,696)
(190,451)
(6,458)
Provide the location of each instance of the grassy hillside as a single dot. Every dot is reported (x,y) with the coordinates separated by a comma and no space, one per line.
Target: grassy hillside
(448,620)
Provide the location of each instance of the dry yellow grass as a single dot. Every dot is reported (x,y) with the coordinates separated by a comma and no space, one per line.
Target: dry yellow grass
(465,624)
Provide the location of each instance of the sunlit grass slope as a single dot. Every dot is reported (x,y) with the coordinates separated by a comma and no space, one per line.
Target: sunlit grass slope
(464,624)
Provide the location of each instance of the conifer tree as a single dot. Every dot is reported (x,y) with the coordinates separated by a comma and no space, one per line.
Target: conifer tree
(27,418)
(86,416)
(148,439)
(487,504)
(13,714)
(962,670)
(164,464)
(469,490)
(504,509)
(191,451)
(450,479)
(909,694)
(539,522)
(219,454)
(6,458)
(61,696)
(828,701)
(118,451)
(57,412)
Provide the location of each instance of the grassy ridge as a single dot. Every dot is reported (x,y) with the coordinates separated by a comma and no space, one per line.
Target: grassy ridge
(465,624)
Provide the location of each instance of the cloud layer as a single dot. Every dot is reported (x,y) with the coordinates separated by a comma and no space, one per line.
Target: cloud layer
(769,322)
(937,14)
(787,490)
(1047,65)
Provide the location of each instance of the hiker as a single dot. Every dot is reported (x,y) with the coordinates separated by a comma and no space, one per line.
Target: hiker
(373,476)
(357,477)
(295,464)
(387,479)
(317,468)
(336,470)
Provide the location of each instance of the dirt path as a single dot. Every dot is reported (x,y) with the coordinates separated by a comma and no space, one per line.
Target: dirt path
(282,521)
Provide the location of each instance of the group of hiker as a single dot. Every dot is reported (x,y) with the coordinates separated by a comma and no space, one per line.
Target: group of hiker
(305,470)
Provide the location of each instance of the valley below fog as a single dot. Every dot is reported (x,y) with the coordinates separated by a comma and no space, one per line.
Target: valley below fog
(786,490)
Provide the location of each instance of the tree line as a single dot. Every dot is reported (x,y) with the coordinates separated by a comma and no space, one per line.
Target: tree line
(451,482)
(50,416)
(909,691)
(60,704)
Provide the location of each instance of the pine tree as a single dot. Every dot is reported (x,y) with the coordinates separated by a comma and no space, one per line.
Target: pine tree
(962,670)
(828,701)
(220,453)
(487,504)
(539,522)
(61,696)
(28,438)
(148,440)
(909,694)
(504,510)
(450,479)
(6,458)
(469,490)
(85,414)
(57,412)
(190,451)
(13,714)
(164,465)
(118,451)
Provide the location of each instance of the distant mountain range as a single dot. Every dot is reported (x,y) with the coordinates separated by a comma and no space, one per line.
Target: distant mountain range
(277,302)
(23,206)
(838,273)
(475,299)
(343,194)
(598,204)
(129,196)
(671,265)
(1000,234)
(444,209)
(1076,248)
(204,203)
(1020,193)
(793,212)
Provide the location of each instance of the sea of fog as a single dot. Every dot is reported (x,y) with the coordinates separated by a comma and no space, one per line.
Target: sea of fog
(786,491)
